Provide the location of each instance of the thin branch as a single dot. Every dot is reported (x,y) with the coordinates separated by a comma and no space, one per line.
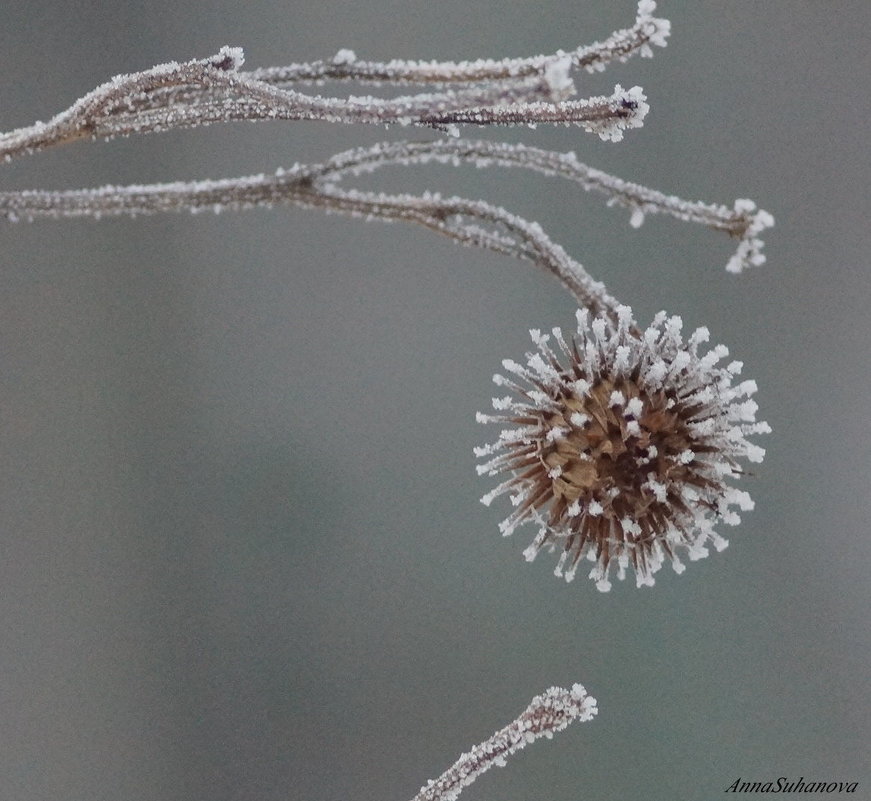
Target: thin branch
(302,184)
(647,31)
(83,118)
(743,221)
(461,220)
(502,77)
(448,216)
(203,91)
(607,116)
(548,713)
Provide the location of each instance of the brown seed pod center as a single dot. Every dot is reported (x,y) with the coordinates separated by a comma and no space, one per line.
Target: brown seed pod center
(609,441)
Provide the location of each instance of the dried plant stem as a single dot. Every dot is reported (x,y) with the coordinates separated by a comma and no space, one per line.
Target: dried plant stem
(458,218)
(632,196)
(620,45)
(316,186)
(204,91)
(515,236)
(83,118)
(212,89)
(548,713)
(518,105)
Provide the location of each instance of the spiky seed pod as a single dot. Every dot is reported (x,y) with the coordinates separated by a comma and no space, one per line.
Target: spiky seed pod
(620,444)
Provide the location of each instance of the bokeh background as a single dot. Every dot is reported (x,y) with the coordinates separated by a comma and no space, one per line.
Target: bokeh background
(242,555)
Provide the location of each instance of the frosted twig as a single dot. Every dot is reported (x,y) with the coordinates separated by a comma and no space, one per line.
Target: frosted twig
(499,74)
(116,108)
(550,712)
(608,116)
(460,219)
(526,91)
(308,184)
(345,66)
(305,186)
(503,80)
(85,116)
(742,221)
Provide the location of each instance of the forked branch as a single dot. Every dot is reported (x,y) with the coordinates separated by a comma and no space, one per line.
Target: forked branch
(485,92)
(519,91)
(317,186)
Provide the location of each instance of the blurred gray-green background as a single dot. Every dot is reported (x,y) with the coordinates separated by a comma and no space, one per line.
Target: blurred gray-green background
(242,555)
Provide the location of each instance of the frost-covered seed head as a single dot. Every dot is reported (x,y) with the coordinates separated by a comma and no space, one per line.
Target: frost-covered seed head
(619,445)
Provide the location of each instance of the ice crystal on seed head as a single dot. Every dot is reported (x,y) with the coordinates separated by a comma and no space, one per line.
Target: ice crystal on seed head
(749,253)
(619,443)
